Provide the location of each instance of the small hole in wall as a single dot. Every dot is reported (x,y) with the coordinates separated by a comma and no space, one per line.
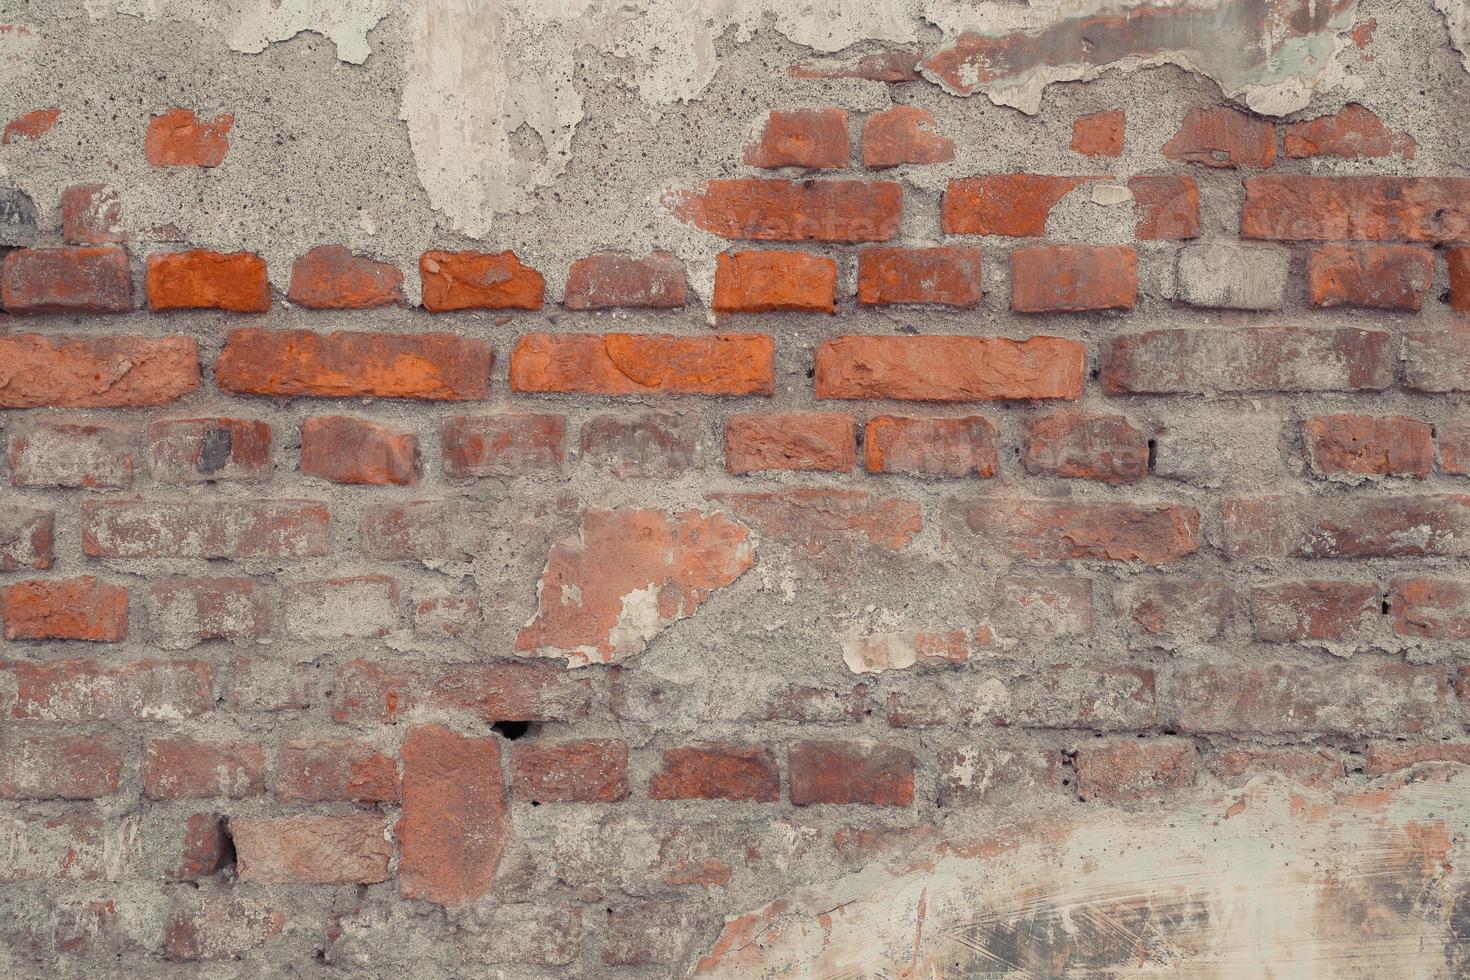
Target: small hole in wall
(1153,453)
(511,730)
(1385,607)
(811,372)
(1093,374)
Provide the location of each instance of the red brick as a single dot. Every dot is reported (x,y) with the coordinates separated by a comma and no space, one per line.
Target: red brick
(1431,609)
(717,771)
(820,441)
(850,772)
(1384,757)
(313,850)
(350,608)
(1050,530)
(96,372)
(220,929)
(1458,261)
(1099,134)
(1073,278)
(1306,208)
(68,846)
(204,529)
(31,125)
(58,767)
(1243,359)
(812,138)
(950,369)
(206,848)
(479,281)
(954,447)
(1167,207)
(91,214)
(91,279)
(1454,450)
(769,210)
(330,277)
(1175,612)
(1354,445)
(583,771)
(946,276)
(763,282)
(654,445)
(1223,137)
(455,821)
(609,280)
(1106,448)
(1318,527)
(1352,134)
(904,134)
(26,538)
(498,691)
(201,450)
(58,453)
(1015,205)
(185,611)
(185,769)
(360,451)
(346,364)
(1381,277)
(329,770)
(1437,361)
(1317,610)
(203,280)
(82,690)
(503,445)
(83,608)
(1319,767)
(1123,770)
(818,520)
(178,138)
(631,364)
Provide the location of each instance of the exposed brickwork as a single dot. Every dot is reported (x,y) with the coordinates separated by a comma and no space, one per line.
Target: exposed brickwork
(812,138)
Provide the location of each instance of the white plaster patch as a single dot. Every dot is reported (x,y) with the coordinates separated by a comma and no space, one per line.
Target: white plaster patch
(249,26)
(1457,20)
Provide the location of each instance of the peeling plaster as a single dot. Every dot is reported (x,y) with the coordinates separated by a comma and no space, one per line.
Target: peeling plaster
(249,26)
(1457,19)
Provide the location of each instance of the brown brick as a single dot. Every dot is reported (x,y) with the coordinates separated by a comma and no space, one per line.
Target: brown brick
(850,772)
(945,276)
(1167,208)
(1381,277)
(1354,133)
(1458,260)
(507,445)
(178,138)
(96,372)
(1324,611)
(653,445)
(91,214)
(1431,609)
(581,771)
(185,769)
(1099,134)
(1049,530)
(1454,447)
(202,450)
(630,364)
(58,767)
(769,210)
(822,441)
(203,280)
(717,771)
(91,279)
(1383,757)
(609,280)
(904,134)
(345,364)
(1131,769)
(1308,208)
(82,690)
(1073,278)
(478,281)
(1361,445)
(1317,527)
(1223,137)
(1106,448)
(764,282)
(352,450)
(313,850)
(811,138)
(928,368)
(455,821)
(501,690)
(1437,361)
(330,277)
(328,770)
(954,447)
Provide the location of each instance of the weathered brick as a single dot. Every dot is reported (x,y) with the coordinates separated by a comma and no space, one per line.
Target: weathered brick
(1099,134)
(717,771)
(61,453)
(871,653)
(1243,359)
(183,612)
(1049,530)
(205,849)
(955,447)
(178,138)
(455,821)
(1122,770)
(479,281)
(830,771)
(1437,361)
(359,607)
(1043,606)
(83,608)
(29,125)
(82,690)
(58,767)
(541,935)
(26,538)
(202,450)
(1073,278)
(352,450)
(1382,757)
(1321,611)
(346,364)
(904,134)
(1312,767)
(67,846)
(90,279)
(1382,277)
(788,211)
(204,529)
(185,769)
(1170,613)
(1223,137)
(811,138)
(1106,448)
(1308,208)
(639,933)
(203,280)
(91,214)
(820,441)
(271,684)
(1454,451)
(896,65)
(220,929)
(1014,205)
(1362,445)
(1431,608)
(330,277)
(367,692)
(944,275)
(631,364)
(313,850)
(764,282)
(1232,277)
(609,280)
(1458,262)
(1317,527)
(654,445)
(589,770)
(971,775)
(96,372)
(950,369)
(817,521)
(332,769)
(511,444)
(1167,207)
(1351,134)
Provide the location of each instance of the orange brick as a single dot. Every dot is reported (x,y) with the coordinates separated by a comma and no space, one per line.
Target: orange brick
(762,282)
(945,276)
(811,138)
(950,369)
(432,366)
(203,280)
(65,609)
(479,281)
(631,364)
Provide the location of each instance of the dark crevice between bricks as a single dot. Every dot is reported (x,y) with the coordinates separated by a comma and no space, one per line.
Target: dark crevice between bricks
(512,730)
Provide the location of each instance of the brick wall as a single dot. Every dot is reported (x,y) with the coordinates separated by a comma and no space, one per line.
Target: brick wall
(533,620)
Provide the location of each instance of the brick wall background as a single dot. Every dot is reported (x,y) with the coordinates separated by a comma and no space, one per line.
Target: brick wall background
(837,528)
